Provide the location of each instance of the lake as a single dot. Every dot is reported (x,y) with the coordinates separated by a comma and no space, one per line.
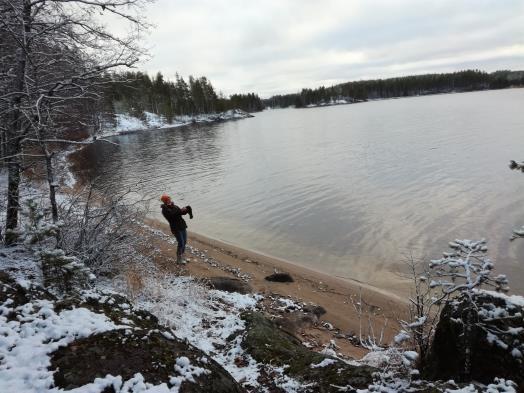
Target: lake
(348,190)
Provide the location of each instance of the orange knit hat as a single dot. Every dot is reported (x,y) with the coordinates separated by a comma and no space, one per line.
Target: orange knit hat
(165,198)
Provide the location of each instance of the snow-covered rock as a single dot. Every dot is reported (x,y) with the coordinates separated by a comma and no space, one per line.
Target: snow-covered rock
(496,340)
(49,344)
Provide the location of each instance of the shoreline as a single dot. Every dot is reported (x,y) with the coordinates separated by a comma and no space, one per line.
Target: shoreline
(181,121)
(396,98)
(353,310)
(290,265)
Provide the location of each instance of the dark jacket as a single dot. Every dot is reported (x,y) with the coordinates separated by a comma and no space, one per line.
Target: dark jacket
(173,215)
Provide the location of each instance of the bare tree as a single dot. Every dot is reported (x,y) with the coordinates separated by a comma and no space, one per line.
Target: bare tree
(54,57)
(100,227)
(424,308)
(370,336)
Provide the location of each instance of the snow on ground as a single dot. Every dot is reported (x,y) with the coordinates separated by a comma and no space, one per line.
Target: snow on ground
(210,320)
(207,319)
(500,385)
(324,363)
(126,123)
(330,103)
(20,263)
(27,341)
(25,344)
(63,167)
(288,304)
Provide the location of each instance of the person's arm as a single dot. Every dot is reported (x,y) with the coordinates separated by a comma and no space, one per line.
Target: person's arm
(187,210)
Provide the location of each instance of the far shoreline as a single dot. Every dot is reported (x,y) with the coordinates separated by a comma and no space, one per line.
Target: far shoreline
(313,106)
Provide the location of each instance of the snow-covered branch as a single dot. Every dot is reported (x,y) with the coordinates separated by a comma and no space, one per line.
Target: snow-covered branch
(467,268)
(55,55)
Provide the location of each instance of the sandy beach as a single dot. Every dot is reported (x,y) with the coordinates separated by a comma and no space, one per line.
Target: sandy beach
(353,309)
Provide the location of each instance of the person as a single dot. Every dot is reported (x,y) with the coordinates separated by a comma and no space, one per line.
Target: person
(173,214)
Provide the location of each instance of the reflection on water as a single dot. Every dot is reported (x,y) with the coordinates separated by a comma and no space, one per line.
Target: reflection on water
(348,190)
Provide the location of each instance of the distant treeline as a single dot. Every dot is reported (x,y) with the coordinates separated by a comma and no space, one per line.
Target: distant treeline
(468,80)
(137,92)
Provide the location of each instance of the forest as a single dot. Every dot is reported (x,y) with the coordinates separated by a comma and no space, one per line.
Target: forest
(135,92)
(414,85)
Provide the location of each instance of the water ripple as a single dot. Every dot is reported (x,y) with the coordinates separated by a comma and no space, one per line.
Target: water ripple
(347,189)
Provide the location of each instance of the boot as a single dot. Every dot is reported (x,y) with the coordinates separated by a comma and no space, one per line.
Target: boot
(179,259)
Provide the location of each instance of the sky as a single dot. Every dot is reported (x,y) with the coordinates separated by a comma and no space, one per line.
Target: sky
(281,46)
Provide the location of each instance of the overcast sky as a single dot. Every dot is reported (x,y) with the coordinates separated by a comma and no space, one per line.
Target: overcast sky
(280,46)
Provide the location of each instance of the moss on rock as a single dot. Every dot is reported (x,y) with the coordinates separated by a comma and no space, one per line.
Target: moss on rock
(271,345)
(125,353)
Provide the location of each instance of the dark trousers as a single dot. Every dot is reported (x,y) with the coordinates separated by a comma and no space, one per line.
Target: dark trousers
(181,238)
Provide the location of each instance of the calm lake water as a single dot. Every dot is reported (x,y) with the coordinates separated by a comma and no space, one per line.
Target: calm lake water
(348,190)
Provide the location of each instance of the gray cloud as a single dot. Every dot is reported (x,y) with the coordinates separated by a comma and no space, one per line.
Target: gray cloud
(281,46)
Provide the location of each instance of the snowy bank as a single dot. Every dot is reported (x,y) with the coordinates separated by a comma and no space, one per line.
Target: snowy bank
(125,123)
(92,343)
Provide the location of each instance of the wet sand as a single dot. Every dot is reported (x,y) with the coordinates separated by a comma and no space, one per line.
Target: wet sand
(341,298)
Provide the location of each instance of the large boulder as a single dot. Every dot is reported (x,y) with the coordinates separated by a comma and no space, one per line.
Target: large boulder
(268,344)
(155,356)
(496,341)
(135,344)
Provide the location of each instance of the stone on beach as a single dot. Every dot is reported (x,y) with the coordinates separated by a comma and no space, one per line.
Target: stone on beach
(229,284)
(280,277)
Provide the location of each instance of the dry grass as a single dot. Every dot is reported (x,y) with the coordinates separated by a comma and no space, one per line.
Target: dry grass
(133,282)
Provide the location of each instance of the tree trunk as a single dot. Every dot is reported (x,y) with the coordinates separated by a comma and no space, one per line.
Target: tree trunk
(52,185)
(14,129)
(13,191)
(468,330)
(13,175)
(2,148)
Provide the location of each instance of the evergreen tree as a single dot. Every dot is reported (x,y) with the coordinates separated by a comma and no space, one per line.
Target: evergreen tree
(136,93)
(468,80)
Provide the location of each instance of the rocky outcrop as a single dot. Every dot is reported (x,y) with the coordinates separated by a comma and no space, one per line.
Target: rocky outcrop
(120,342)
(125,352)
(496,341)
(268,344)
